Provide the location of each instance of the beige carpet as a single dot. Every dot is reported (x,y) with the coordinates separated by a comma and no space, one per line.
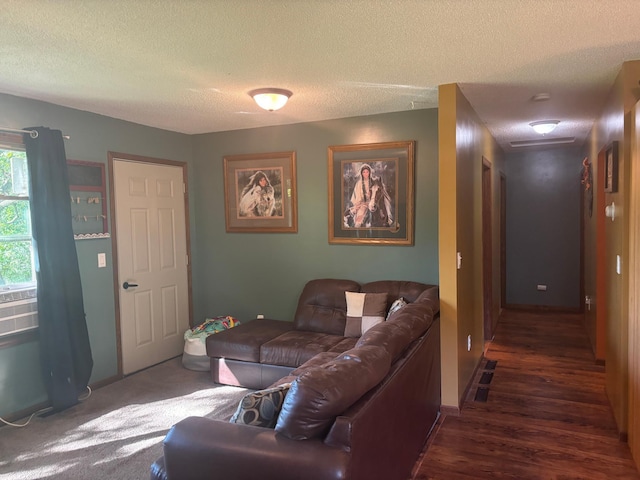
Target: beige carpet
(118,431)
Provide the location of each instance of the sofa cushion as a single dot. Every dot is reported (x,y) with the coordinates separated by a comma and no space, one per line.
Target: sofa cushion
(314,362)
(364,310)
(417,316)
(393,337)
(322,306)
(243,342)
(261,408)
(320,394)
(410,291)
(324,357)
(431,299)
(293,348)
(347,343)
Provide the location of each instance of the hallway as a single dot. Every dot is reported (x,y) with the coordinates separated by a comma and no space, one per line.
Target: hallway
(546,414)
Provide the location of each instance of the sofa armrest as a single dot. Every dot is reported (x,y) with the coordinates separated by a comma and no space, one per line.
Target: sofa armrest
(198,448)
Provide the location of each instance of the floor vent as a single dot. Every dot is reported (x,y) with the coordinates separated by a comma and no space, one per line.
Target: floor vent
(481,394)
(486,378)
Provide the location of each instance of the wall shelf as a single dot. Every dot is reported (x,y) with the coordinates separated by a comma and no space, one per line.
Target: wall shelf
(88,199)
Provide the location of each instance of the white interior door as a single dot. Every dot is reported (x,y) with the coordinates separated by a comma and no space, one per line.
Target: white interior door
(152,262)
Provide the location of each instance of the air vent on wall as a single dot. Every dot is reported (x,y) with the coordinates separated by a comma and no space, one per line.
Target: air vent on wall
(543,141)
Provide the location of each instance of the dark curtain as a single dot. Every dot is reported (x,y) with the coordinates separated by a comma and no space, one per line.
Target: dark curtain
(65,352)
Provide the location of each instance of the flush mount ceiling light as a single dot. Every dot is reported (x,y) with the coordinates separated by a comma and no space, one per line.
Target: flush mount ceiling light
(271,98)
(544,126)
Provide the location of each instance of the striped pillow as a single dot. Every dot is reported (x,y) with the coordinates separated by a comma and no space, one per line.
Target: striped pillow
(364,310)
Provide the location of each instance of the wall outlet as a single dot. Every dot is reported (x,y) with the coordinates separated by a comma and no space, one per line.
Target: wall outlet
(542,288)
(469,343)
(260,316)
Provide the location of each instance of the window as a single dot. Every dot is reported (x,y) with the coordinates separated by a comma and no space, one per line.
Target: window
(18,304)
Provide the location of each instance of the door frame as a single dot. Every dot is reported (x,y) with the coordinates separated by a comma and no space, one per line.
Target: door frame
(487,249)
(503,240)
(113,156)
(601,263)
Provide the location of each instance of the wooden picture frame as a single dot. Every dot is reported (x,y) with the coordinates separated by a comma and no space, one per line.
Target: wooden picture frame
(611,168)
(260,193)
(380,213)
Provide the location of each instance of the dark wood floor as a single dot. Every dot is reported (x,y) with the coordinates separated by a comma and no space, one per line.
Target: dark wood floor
(546,415)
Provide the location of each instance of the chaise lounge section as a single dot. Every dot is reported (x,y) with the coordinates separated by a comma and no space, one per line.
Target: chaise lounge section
(354,406)
(262,351)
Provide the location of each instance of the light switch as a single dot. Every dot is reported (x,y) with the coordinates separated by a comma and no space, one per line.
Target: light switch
(102,260)
(618,265)
(459,256)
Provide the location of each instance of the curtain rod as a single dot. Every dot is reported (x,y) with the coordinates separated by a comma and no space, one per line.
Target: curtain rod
(32,133)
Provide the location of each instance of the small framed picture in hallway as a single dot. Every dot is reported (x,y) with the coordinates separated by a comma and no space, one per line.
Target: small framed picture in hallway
(611,168)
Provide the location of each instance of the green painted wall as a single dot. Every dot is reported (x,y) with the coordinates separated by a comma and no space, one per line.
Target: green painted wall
(234,274)
(92,136)
(20,378)
(243,274)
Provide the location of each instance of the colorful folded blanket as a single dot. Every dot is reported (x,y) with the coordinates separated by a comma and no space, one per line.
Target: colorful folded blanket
(210,326)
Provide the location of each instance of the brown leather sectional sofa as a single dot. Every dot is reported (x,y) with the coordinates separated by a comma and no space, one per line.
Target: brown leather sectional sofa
(358,407)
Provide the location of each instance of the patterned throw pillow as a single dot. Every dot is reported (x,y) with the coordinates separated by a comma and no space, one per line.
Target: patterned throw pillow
(395,306)
(261,408)
(364,310)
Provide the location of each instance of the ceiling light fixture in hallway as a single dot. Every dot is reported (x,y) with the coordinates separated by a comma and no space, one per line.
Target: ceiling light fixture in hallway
(544,126)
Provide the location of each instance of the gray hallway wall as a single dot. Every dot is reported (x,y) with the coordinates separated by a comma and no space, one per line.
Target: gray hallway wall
(543,227)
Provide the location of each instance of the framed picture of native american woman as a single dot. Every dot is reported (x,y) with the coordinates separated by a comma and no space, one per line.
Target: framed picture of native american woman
(371,193)
(260,193)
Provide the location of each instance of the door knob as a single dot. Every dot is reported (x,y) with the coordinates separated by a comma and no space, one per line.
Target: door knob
(126,285)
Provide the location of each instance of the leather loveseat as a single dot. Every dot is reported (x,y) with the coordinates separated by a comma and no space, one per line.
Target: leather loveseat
(356,407)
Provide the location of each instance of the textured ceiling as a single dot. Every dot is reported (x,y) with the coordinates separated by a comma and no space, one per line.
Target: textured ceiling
(187,66)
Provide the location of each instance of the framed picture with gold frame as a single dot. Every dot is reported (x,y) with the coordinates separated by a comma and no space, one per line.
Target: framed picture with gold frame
(371,193)
(260,193)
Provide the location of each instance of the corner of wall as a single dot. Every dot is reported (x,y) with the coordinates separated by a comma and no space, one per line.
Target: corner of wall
(447,243)
(463,142)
